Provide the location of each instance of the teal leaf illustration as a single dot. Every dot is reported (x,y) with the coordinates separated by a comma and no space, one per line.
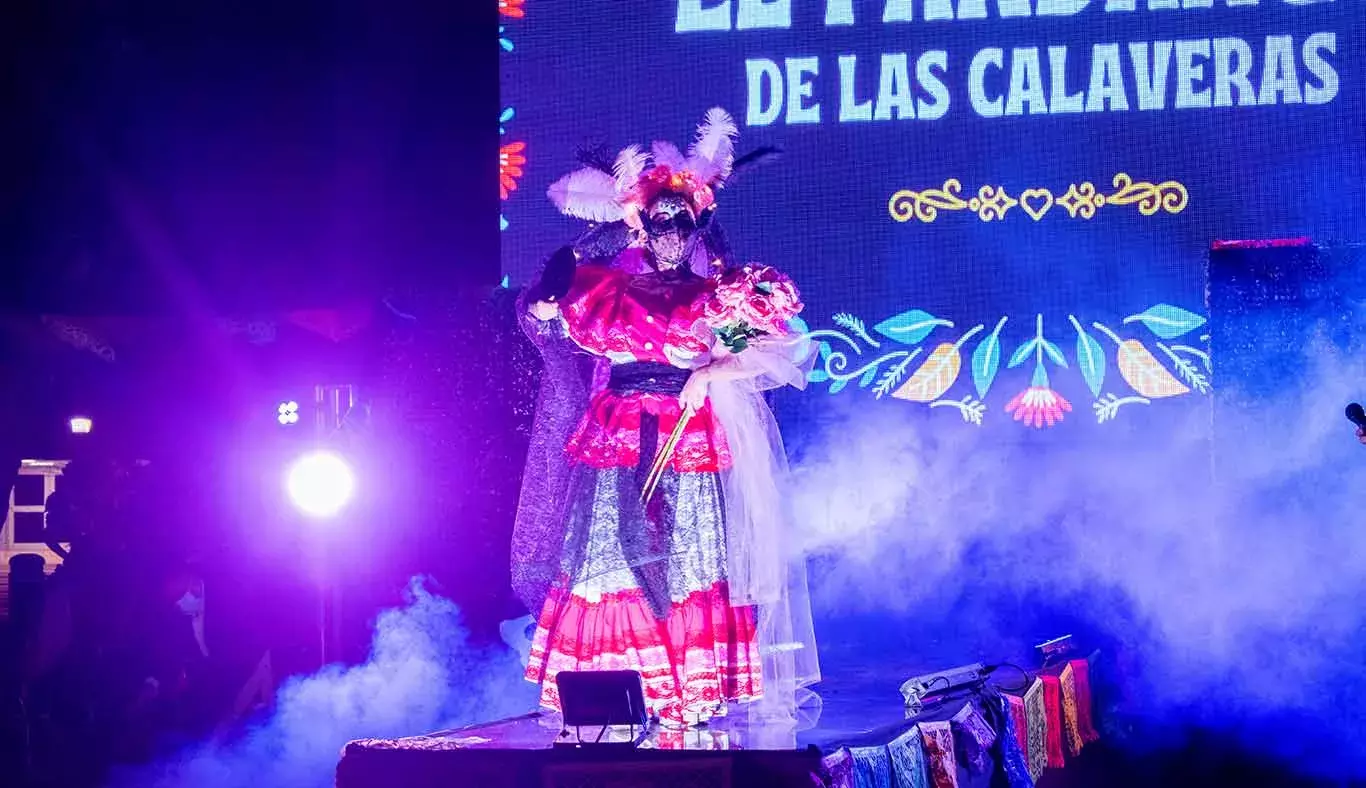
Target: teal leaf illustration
(838,385)
(797,327)
(910,328)
(1022,354)
(1167,321)
(986,360)
(818,376)
(868,377)
(1090,359)
(825,350)
(1054,353)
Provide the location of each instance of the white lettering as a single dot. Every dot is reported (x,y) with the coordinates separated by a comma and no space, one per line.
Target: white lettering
(692,17)
(1151,76)
(1280,84)
(799,88)
(1189,73)
(759,73)
(851,109)
(898,11)
(761,14)
(977,91)
(977,9)
(1026,83)
(1061,7)
(938,10)
(839,12)
(1107,81)
(928,72)
(1232,66)
(1320,68)
(895,93)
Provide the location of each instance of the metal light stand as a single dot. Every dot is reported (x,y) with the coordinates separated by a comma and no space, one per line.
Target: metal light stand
(331,404)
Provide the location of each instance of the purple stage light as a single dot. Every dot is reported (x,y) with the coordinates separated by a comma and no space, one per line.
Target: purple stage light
(81,425)
(320,484)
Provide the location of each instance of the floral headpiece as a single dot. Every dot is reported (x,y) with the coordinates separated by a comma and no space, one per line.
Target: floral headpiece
(619,192)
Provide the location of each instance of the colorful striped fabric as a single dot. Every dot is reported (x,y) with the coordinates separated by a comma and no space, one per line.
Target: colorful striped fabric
(938,740)
(1052,701)
(1037,713)
(908,760)
(1071,731)
(1081,670)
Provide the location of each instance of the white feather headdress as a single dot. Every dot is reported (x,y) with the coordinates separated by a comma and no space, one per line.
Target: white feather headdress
(617,192)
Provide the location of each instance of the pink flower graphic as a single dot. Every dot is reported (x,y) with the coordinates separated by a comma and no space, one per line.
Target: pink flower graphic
(1038,407)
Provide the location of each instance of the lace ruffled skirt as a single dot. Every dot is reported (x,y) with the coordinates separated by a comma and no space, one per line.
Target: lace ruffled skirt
(645,590)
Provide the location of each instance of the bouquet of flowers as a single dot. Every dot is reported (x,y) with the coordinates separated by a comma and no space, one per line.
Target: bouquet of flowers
(750,302)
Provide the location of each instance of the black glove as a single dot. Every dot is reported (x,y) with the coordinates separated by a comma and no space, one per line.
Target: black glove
(557,277)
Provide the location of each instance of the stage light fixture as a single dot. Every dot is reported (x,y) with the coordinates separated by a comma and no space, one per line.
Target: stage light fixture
(320,484)
(603,699)
(81,425)
(288,413)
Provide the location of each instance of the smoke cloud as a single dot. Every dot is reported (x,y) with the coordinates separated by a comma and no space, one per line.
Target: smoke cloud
(1222,574)
(423,675)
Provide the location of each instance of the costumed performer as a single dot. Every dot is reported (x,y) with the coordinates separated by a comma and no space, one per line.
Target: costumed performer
(650,532)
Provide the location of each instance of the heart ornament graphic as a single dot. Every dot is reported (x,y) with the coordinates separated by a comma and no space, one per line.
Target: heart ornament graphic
(1036,202)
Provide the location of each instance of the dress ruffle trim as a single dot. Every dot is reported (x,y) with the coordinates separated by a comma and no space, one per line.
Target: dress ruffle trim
(703,655)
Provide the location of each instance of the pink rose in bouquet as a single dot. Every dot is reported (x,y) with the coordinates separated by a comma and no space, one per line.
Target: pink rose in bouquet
(750,302)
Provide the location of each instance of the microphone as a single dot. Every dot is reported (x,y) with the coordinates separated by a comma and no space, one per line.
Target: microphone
(1357,415)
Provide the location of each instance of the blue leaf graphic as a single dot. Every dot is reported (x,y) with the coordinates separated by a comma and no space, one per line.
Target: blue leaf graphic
(1167,321)
(825,350)
(838,385)
(868,377)
(797,327)
(1053,353)
(910,328)
(1022,354)
(986,360)
(1091,361)
(817,376)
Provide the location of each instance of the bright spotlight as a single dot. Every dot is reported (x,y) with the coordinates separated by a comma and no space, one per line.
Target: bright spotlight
(287,413)
(80,425)
(320,484)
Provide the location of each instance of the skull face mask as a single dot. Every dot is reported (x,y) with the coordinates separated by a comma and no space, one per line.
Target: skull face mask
(669,230)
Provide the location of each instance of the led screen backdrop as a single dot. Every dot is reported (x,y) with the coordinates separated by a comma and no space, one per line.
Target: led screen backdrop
(999,211)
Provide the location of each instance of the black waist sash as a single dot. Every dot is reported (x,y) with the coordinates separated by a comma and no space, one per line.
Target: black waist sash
(647,377)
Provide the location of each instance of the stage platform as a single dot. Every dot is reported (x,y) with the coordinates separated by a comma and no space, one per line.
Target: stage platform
(857,733)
